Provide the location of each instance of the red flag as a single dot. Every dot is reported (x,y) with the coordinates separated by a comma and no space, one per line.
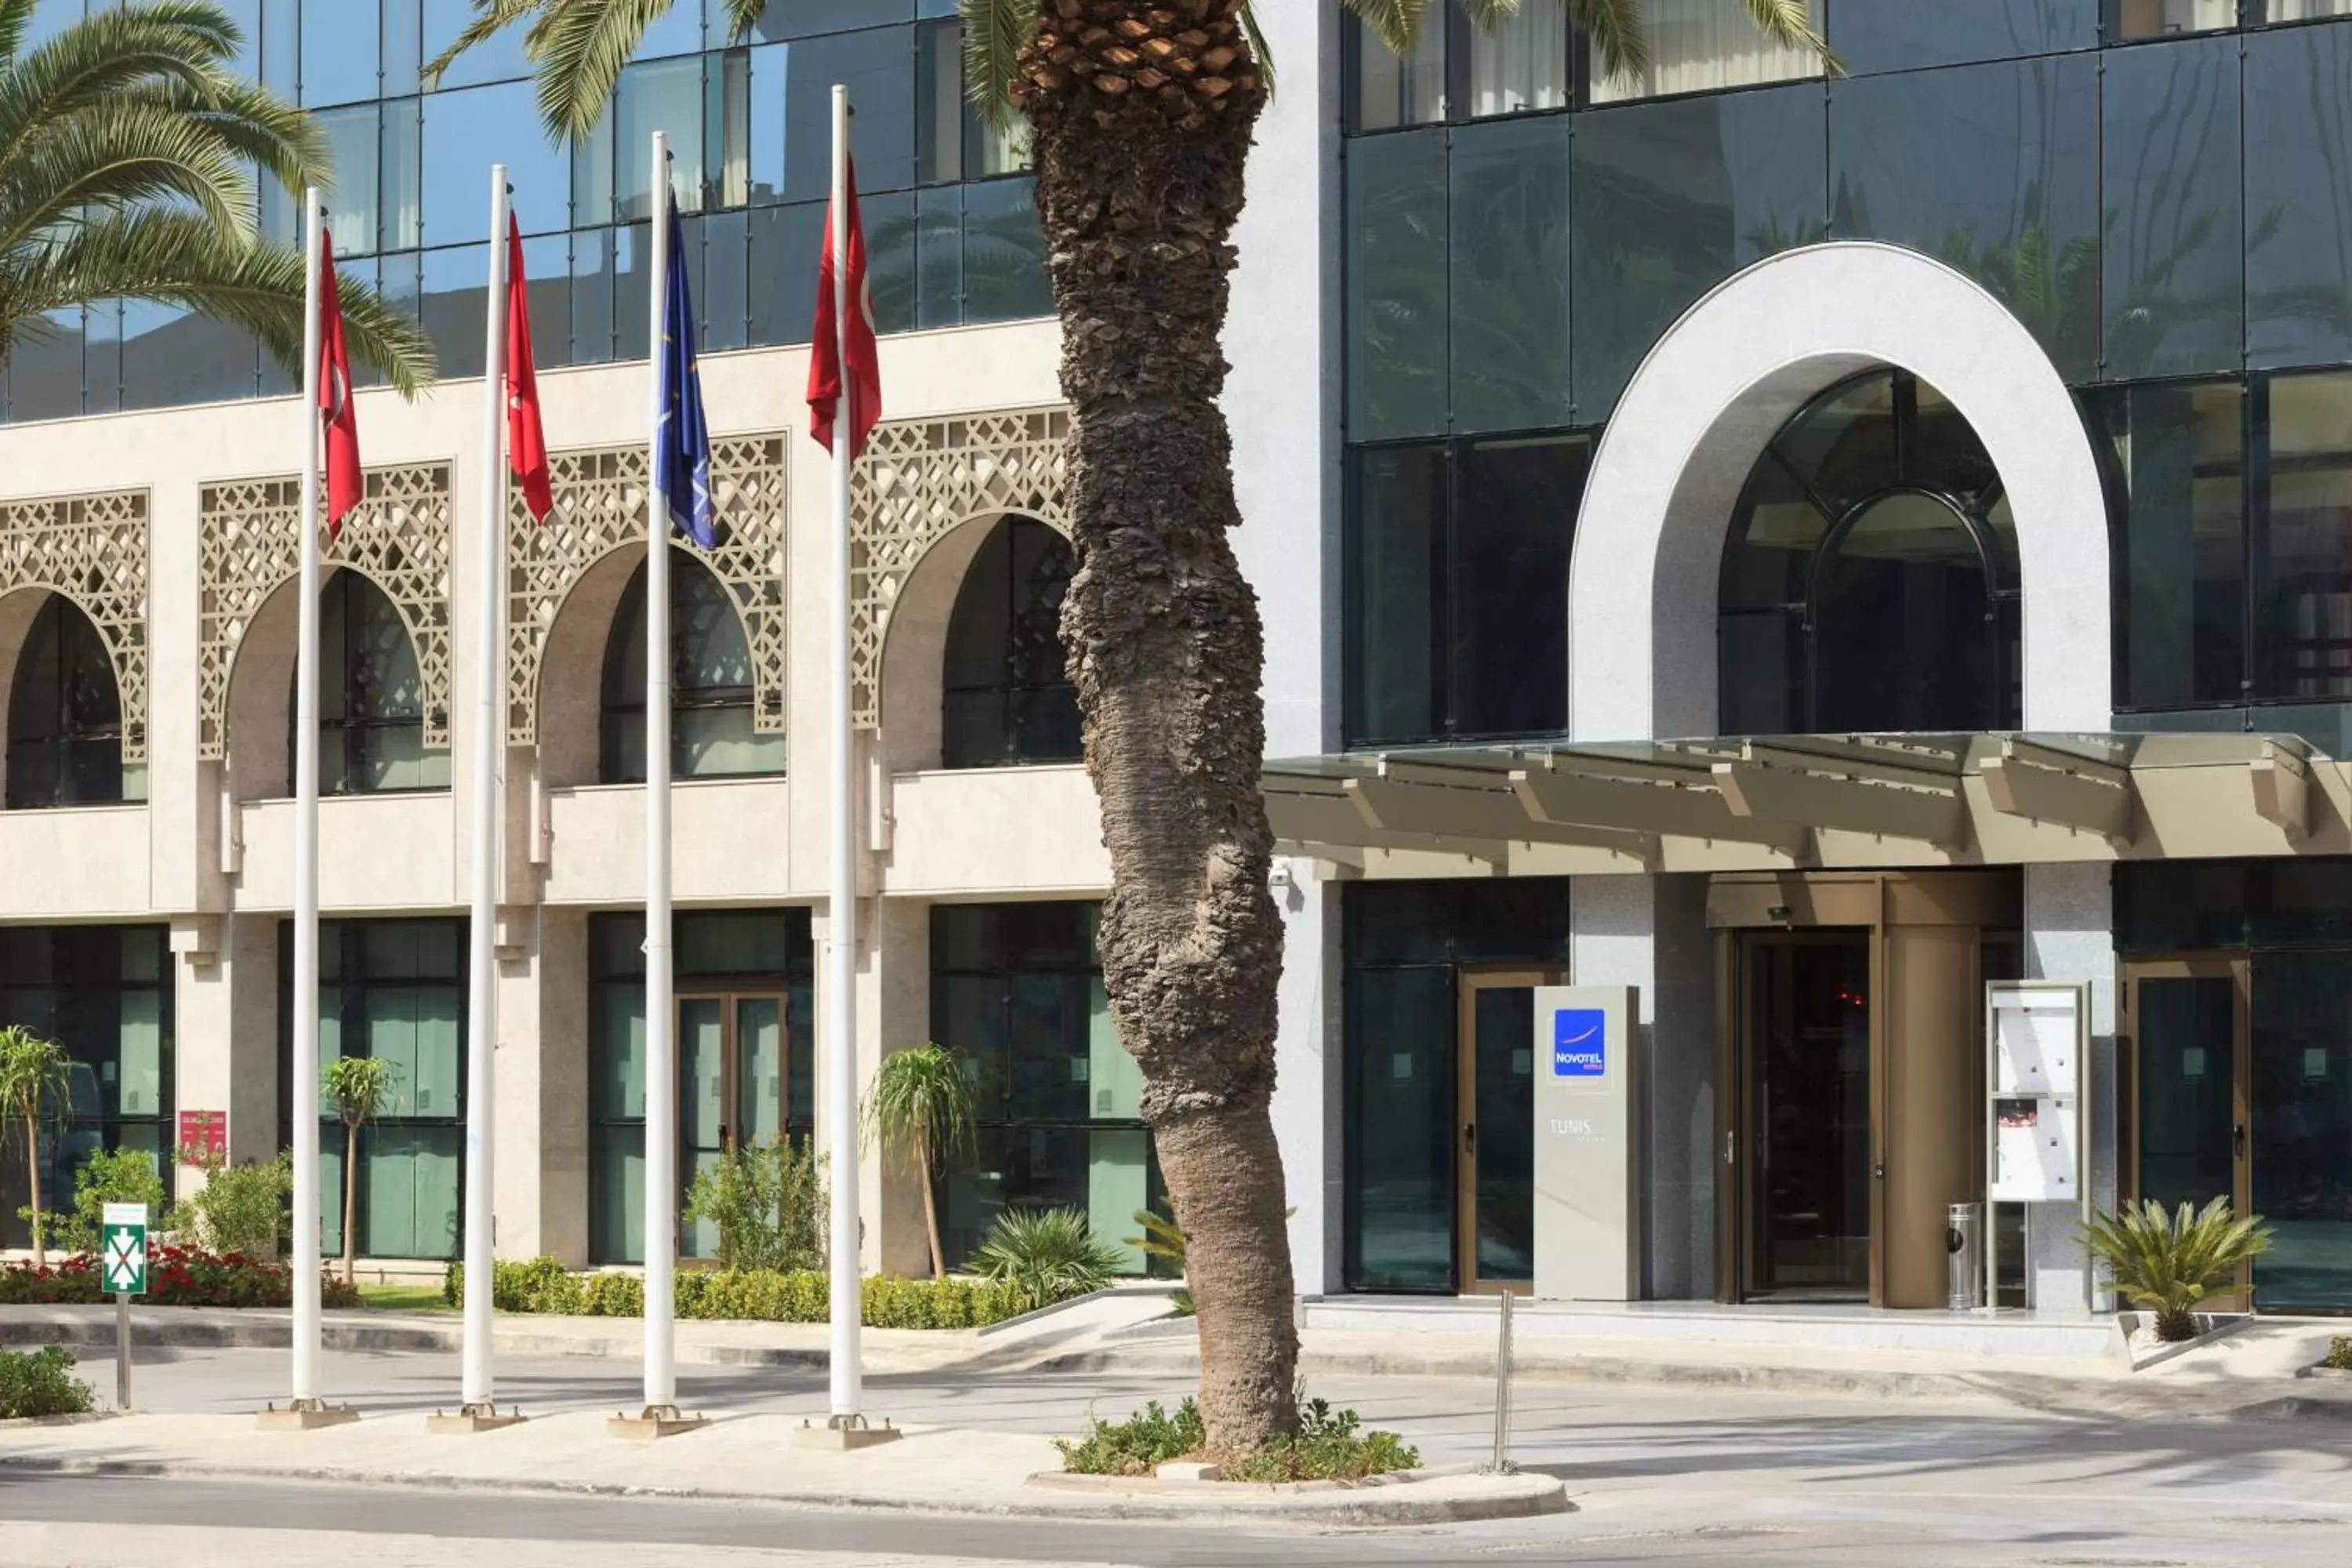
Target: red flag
(335,410)
(525,438)
(824,348)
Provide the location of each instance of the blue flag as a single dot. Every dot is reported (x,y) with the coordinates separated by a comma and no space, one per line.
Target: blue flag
(682,442)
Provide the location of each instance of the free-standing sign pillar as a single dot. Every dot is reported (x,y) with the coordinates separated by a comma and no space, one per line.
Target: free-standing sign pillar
(1588,1196)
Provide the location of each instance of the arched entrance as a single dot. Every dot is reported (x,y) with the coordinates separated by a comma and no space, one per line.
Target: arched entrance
(1710,398)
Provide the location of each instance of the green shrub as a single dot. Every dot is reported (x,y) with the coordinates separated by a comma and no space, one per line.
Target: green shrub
(521,1285)
(109,1176)
(1048,1255)
(2169,1263)
(240,1208)
(41,1382)
(614,1295)
(759,1295)
(1137,1446)
(1331,1446)
(768,1201)
(2339,1354)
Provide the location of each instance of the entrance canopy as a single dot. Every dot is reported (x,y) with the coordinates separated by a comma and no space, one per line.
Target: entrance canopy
(1801,801)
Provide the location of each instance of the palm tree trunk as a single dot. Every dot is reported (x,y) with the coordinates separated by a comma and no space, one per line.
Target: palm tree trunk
(33,1186)
(930,1209)
(350,1199)
(1139,158)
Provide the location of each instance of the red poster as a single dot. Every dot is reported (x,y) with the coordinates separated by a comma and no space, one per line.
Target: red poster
(206,1133)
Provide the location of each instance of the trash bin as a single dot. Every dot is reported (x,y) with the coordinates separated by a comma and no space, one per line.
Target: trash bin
(1963,1257)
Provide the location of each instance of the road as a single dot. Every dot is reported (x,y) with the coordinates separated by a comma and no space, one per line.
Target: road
(1659,1475)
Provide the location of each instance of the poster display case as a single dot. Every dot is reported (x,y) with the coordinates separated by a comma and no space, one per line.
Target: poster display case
(2037,1071)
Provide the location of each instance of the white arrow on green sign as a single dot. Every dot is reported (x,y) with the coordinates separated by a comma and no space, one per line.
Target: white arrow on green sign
(122,1251)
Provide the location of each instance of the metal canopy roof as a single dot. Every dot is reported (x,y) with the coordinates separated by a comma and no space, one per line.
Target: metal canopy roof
(1813,800)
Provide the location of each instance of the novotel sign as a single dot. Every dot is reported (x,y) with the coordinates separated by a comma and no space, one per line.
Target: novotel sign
(1580,1043)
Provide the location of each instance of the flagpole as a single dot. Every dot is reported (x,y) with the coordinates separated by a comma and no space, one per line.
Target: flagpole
(488,738)
(305,1088)
(839,1035)
(661,1048)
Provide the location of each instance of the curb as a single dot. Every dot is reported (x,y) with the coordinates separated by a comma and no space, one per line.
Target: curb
(1529,1496)
(346,1335)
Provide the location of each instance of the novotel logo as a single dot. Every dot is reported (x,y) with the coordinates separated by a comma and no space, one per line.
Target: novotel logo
(1580,1043)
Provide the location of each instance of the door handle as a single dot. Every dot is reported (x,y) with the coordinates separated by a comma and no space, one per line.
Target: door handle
(2238,1142)
(1730,1155)
(1469,1138)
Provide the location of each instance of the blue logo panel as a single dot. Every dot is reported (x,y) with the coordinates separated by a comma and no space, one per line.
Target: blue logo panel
(1580,1043)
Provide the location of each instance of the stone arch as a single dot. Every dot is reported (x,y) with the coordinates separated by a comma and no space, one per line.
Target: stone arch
(1715,389)
(261,685)
(914,635)
(93,550)
(249,549)
(919,482)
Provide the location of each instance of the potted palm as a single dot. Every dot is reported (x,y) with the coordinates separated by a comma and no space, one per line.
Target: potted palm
(36,1089)
(2170,1262)
(920,1109)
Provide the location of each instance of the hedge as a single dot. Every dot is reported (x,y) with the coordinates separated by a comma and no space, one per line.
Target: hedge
(804,1295)
(176,1277)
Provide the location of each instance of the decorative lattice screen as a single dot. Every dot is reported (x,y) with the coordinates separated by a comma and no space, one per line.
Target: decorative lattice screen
(93,550)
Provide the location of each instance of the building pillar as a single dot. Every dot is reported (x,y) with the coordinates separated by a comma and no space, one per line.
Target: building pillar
(1310,1106)
(2070,936)
(542,1070)
(894,1012)
(1650,932)
(224,1032)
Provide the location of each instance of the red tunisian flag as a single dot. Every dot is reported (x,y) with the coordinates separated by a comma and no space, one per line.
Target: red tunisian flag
(525,438)
(824,344)
(335,410)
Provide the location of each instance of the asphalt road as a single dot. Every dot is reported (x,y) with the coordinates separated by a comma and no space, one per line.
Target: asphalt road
(1682,1476)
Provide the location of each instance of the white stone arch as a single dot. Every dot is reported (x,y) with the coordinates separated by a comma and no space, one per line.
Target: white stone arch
(912,629)
(1716,389)
(258,695)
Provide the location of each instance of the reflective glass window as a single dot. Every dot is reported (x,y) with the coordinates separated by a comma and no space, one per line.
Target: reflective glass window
(890,260)
(2303,538)
(878,67)
(2180,543)
(2180,905)
(1870,36)
(451,307)
(548,289)
(712,730)
(2161,18)
(2175,256)
(102,357)
(2301,1123)
(400,176)
(1507,275)
(1671,199)
(1901,602)
(280,35)
(1007,696)
(2296,10)
(464,133)
(1514,514)
(371,696)
(349,205)
(1397,553)
(45,367)
(938,102)
(658,95)
(1698,45)
(1004,253)
(677,31)
(723,296)
(404,40)
(339,57)
(64,715)
(1396,286)
(591,297)
(1518,64)
(1992,168)
(726,136)
(766,112)
(1387,90)
(804,18)
(171,355)
(499,57)
(2298,171)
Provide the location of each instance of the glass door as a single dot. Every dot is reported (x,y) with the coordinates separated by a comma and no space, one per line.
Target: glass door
(733,1080)
(1805,1072)
(1497,1151)
(2186,1022)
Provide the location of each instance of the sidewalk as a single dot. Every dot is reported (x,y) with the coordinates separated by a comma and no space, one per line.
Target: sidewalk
(739,1459)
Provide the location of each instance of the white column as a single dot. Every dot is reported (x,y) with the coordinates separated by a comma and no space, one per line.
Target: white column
(2070,936)
(661,1045)
(488,742)
(305,1088)
(839,1035)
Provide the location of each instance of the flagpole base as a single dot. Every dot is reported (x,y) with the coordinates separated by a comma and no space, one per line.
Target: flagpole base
(844,1434)
(482,1416)
(304,1416)
(654,1422)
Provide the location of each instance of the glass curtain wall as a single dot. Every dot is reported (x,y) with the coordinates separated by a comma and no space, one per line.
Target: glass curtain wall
(105,994)
(393,990)
(713,732)
(1017,994)
(753,959)
(1404,946)
(950,218)
(65,717)
(2293,919)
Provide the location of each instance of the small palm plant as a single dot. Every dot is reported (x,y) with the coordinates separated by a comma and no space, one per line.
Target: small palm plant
(35,1089)
(361,1088)
(2170,1262)
(1048,1255)
(920,1109)
(1163,1239)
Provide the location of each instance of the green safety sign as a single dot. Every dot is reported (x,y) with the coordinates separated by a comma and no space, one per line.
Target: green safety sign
(122,1250)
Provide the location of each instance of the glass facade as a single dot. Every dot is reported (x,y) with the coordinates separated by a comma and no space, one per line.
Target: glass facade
(1406,947)
(1007,696)
(746,1062)
(1017,994)
(371,697)
(65,717)
(711,730)
(2157,190)
(952,225)
(105,994)
(2291,920)
(393,990)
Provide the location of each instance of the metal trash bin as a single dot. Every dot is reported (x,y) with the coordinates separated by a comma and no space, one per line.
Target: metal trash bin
(1964,1255)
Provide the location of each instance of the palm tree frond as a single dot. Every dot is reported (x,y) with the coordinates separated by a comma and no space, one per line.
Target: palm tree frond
(1786,22)
(1620,41)
(743,15)
(1399,22)
(16,17)
(1259,48)
(995,34)
(494,16)
(578,48)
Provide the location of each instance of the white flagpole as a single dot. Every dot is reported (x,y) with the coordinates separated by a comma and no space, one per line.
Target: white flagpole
(839,1035)
(489,739)
(661,1047)
(306,852)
